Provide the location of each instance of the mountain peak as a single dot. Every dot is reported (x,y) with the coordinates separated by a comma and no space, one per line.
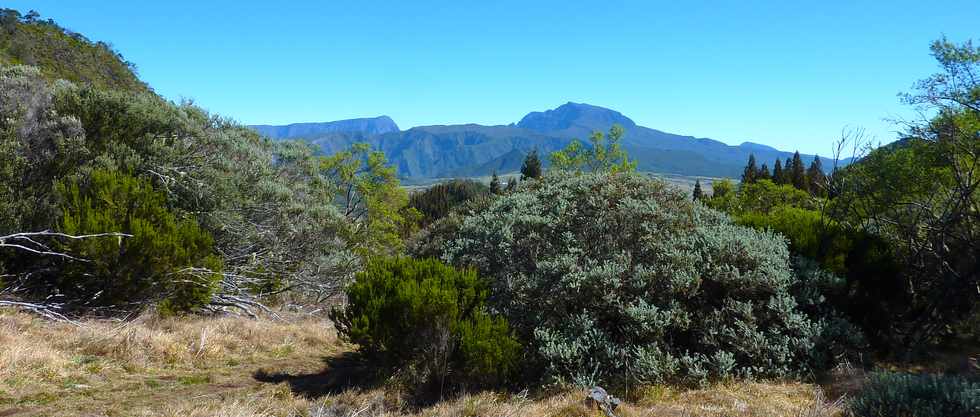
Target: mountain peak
(752,146)
(574,119)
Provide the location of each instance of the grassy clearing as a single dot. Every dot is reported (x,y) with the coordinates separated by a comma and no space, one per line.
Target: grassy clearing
(209,367)
(52,364)
(276,400)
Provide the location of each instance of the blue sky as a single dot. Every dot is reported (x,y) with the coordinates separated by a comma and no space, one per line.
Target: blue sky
(789,74)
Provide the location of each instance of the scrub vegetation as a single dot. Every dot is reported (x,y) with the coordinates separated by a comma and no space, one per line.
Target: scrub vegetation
(158,259)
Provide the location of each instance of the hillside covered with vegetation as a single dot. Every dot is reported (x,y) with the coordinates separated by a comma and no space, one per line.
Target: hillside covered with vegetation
(62,54)
(159,259)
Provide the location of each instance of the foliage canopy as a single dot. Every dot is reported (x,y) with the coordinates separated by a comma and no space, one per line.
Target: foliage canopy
(603,154)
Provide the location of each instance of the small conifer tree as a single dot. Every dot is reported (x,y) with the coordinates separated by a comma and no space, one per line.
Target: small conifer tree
(531,169)
(512,184)
(751,171)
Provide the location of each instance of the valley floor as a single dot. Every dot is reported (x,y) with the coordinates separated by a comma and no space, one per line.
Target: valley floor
(242,368)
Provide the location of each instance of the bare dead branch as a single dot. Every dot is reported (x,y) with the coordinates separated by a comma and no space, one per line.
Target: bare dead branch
(25,241)
(43,310)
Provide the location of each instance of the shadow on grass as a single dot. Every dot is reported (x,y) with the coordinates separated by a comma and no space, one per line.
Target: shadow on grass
(342,373)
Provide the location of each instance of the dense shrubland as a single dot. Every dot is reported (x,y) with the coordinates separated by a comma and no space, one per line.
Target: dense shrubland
(588,273)
(277,217)
(616,276)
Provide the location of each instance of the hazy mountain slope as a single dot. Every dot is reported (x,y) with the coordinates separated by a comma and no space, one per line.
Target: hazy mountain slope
(63,54)
(574,120)
(477,150)
(446,151)
(367,126)
(579,120)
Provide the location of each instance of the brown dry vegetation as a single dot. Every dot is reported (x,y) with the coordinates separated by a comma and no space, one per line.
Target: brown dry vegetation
(211,367)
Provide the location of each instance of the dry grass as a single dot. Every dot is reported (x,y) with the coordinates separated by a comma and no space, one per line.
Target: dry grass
(791,400)
(41,361)
(742,399)
(155,342)
(204,367)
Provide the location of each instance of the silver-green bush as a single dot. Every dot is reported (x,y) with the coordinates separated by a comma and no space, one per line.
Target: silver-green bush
(896,394)
(620,277)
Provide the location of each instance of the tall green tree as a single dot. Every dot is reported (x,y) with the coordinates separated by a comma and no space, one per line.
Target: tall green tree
(605,154)
(368,192)
(750,172)
(778,176)
(698,193)
(816,179)
(788,171)
(798,173)
(531,169)
(763,173)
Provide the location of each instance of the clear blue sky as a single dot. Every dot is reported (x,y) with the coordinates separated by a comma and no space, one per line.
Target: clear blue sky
(788,74)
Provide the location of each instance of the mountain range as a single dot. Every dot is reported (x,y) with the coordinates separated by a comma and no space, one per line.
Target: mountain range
(367,126)
(445,151)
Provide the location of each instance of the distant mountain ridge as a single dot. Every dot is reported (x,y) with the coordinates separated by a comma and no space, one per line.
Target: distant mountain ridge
(368,126)
(443,151)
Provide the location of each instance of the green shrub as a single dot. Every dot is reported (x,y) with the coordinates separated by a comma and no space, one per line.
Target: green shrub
(969,329)
(866,292)
(619,276)
(166,259)
(430,318)
(818,293)
(889,394)
(867,287)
